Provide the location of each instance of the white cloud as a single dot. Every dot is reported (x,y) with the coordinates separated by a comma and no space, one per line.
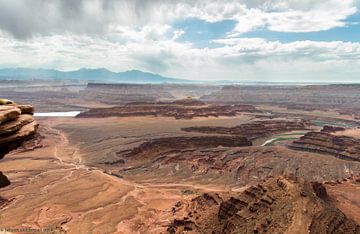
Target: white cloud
(24,19)
(317,48)
(236,58)
(121,35)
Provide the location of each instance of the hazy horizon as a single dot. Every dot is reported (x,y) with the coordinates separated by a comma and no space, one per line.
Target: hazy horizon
(175,80)
(278,41)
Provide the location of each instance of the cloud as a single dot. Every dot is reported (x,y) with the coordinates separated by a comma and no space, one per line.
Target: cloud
(139,34)
(312,49)
(24,19)
(235,58)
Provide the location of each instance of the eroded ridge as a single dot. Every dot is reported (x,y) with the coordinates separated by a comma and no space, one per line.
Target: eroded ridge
(275,206)
(182,143)
(255,129)
(180,109)
(343,147)
(232,164)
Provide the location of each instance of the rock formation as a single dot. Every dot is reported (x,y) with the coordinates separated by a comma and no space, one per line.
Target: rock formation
(331,129)
(311,97)
(236,165)
(343,147)
(16,125)
(4,181)
(275,206)
(180,109)
(182,143)
(254,129)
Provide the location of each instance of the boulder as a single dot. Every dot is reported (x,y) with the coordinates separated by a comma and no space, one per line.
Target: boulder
(4,181)
(26,109)
(20,135)
(16,124)
(8,113)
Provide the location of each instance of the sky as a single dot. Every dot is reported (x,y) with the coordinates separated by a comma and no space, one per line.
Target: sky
(254,40)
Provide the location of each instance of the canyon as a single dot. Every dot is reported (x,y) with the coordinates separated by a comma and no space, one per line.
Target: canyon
(180,109)
(172,163)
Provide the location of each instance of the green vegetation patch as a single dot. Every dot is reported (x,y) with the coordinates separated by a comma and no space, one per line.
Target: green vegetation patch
(4,101)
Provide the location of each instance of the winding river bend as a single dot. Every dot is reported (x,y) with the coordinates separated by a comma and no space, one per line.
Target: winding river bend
(286,136)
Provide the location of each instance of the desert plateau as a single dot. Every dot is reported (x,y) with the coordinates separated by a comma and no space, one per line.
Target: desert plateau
(180,117)
(175,165)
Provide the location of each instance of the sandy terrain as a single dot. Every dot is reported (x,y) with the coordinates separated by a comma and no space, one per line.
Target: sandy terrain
(52,188)
(349,132)
(76,183)
(346,196)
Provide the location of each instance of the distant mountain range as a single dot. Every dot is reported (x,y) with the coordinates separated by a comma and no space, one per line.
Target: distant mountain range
(102,75)
(93,75)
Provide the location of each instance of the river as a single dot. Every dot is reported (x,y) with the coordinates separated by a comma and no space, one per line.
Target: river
(57,114)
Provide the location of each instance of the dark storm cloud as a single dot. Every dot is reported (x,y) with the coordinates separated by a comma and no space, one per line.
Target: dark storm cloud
(16,19)
(71,8)
(23,19)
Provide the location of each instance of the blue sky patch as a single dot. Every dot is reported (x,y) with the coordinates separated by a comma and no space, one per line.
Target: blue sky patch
(349,33)
(200,33)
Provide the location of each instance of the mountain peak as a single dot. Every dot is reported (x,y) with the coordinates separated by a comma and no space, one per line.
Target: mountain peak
(94,69)
(87,74)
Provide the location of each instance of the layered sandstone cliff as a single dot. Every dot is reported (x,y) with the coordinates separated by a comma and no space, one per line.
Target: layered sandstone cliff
(331,129)
(343,147)
(16,125)
(254,129)
(180,109)
(310,97)
(161,146)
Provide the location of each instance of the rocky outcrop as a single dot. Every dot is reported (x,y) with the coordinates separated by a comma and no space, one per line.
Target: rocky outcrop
(343,147)
(180,109)
(189,102)
(320,190)
(8,113)
(16,125)
(332,129)
(332,220)
(238,166)
(4,181)
(13,126)
(254,129)
(275,206)
(161,146)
